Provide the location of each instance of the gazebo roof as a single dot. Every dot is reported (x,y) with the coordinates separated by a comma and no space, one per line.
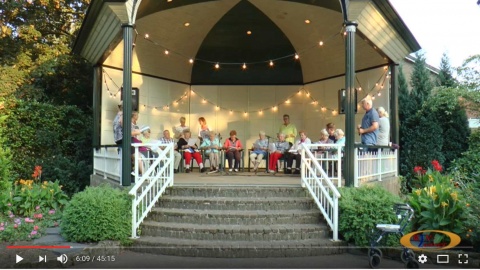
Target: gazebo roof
(217,32)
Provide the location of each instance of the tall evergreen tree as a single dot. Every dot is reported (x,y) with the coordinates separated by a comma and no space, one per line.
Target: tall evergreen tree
(420,131)
(445,77)
(420,81)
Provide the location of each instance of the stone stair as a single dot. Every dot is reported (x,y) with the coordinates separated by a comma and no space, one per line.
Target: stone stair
(236,222)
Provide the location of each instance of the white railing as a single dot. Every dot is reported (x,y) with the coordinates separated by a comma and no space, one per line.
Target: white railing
(107,162)
(321,188)
(374,165)
(330,158)
(157,175)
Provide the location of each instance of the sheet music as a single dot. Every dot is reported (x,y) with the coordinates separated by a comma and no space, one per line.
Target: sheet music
(192,141)
(272,147)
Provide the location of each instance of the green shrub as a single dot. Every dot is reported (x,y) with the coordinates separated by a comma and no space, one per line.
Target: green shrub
(361,209)
(58,138)
(96,214)
(469,163)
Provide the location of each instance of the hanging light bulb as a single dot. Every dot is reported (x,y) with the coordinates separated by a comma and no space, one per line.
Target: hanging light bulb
(274,108)
(287,101)
(271,63)
(320,43)
(231,112)
(359,88)
(244,66)
(167,52)
(373,97)
(245,114)
(379,94)
(217,108)
(147,36)
(217,65)
(204,101)
(334,112)
(324,109)
(190,61)
(260,112)
(296,56)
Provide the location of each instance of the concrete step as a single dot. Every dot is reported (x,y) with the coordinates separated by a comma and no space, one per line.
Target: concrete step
(274,232)
(236,203)
(235,217)
(236,249)
(236,191)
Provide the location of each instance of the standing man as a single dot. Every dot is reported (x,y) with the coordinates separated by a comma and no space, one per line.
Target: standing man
(368,130)
(177,156)
(179,129)
(288,129)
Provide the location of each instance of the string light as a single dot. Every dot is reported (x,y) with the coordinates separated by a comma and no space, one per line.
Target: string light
(217,65)
(244,66)
(274,108)
(249,32)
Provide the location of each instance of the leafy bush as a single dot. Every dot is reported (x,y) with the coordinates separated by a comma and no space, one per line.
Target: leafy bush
(56,137)
(439,203)
(361,209)
(96,214)
(468,164)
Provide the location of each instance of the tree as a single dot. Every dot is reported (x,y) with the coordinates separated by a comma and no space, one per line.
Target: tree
(420,81)
(35,62)
(445,77)
(469,73)
(420,132)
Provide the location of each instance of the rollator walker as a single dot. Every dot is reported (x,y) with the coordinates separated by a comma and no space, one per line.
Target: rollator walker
(404,214)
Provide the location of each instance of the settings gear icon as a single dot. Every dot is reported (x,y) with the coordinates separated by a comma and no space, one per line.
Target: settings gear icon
(422,259)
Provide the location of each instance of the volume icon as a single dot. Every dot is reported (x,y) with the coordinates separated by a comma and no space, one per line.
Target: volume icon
(62,258)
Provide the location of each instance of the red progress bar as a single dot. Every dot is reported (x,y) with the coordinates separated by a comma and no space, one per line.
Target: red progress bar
(37,247)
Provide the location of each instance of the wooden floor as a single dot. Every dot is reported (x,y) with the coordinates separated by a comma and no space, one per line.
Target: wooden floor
(236,178)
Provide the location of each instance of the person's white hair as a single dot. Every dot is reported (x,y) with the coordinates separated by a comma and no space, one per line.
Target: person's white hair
(324,132)
(381,111)
(339,132)
(261,133)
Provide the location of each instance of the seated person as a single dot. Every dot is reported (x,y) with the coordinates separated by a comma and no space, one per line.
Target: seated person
(294,153)
(324,139)
(177,156)
(279,148)
(189,146)
(147,150)
(212,147)
(259,150)
(232,147)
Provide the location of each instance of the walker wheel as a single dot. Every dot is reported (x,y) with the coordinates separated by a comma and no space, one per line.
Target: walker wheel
(374,260)
(407,255)
(372,251)
(412,264)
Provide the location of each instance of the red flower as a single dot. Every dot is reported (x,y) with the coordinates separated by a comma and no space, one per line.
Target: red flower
(418,169)
(436,165)
(37,172)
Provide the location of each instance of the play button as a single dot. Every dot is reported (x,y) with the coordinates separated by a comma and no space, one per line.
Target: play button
(18,259)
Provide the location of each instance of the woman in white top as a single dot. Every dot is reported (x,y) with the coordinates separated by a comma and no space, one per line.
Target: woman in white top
(383,137)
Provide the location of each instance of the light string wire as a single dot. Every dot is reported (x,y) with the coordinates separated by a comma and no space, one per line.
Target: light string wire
(244,65)
(217,107)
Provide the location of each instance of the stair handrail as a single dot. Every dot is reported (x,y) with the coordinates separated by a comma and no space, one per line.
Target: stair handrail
(326,200)
(152,183)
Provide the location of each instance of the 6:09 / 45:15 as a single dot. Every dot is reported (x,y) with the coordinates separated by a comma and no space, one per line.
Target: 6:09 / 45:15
(99,258)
